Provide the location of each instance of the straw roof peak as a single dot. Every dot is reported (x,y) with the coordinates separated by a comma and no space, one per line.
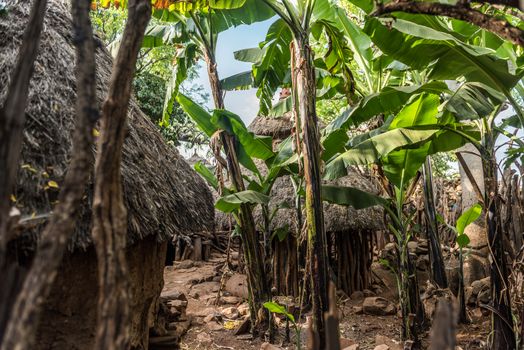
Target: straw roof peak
(162,193)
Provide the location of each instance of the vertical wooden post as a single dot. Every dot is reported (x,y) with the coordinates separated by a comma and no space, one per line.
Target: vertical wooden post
(109,213)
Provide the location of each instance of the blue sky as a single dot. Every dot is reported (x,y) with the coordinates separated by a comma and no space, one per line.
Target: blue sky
(243,103)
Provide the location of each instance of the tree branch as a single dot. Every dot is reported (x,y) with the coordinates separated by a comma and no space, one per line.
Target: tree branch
(461,12)
(510,3)
(109,211)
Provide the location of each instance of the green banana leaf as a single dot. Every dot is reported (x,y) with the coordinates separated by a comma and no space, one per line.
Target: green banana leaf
(389,100)
(447,57)
(232,202)
(473,101)
(206,174)
(350,196)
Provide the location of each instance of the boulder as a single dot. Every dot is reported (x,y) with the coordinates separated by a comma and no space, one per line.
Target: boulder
(378,306)
(173,295)
(412,247)
(381,347)
(423,262)
(231,313)
(387,343)
(214,326)
(230,299)
(179,305)
(205,312)
(368,293)
(205,288)
(213,317)
(243,309)
(422,247)
(185,264)
(352,347)
(358,310)
(346,343)
(237,285)
(471,299)
(479,285)
(475,268)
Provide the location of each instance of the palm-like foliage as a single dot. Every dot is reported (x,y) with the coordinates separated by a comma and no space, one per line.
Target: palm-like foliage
(396,70)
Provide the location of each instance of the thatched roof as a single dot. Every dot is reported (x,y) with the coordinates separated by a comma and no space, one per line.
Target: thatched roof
(278,128)
(337,218)
(162,193)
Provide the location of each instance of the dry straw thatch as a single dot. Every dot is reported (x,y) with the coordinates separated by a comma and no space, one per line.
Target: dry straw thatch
(337,218)
(162,193)
(278,128)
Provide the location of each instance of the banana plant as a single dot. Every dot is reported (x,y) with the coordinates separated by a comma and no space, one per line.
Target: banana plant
(203,20)
(490,80)
(286,58)
(401,146)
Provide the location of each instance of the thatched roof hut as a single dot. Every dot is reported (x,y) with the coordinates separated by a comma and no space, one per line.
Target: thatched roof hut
(278,128)
(350,231)
(337,218)
(163,195)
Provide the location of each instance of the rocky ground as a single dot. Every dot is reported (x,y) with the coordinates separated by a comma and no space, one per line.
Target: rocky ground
(208,306)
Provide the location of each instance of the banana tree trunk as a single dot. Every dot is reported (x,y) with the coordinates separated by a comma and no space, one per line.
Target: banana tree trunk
(438,272)
(256,272)
(502,319)
(411,307)
(304,86)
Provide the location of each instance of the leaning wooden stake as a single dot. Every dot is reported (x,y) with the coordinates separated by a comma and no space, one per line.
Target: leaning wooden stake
(109,212)
(331,321)
(443,331)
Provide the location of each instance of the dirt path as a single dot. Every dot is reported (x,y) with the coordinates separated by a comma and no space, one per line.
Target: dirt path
(212,324)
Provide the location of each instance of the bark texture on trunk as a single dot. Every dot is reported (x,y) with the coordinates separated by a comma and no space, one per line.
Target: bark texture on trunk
(12,116)
(303,76)
(256,272)
(502,318)
(21,330)
(438,272)
(412,309)
(109,213)
(462,12)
